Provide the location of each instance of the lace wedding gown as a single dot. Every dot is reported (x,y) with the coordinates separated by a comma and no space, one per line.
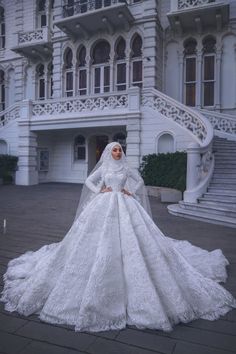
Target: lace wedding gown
(115,267)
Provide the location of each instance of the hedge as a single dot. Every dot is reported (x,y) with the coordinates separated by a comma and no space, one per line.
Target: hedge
(165,170)
(8,164)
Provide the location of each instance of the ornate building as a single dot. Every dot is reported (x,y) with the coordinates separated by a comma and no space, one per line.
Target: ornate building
(156,75)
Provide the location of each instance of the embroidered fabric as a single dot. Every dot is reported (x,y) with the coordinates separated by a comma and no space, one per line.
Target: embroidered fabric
(115,267)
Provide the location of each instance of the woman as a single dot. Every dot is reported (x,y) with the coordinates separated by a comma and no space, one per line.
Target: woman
(115,267)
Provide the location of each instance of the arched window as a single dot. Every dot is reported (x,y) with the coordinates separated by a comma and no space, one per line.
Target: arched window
(120,65)
(2,28)
(208,79)
(2,90)
(190,71)
(136,60)
(165,143)
(40,73)
(82,71)
(121,139)
(41,13)
(68,66)
(79,148)
(50,80)
(101,67)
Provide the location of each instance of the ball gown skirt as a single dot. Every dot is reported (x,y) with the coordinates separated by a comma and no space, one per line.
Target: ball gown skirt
(115,267)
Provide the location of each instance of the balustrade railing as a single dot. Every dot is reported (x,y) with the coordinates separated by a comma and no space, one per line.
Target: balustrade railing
(38,35)
(184,4)
(82,6)
(200,161)
(223,124)
(9,114)
(74,105)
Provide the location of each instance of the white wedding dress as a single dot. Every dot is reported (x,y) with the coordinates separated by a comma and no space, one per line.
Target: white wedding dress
(115,267)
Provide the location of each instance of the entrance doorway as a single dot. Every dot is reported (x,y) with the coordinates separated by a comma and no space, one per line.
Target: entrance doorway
(96,145)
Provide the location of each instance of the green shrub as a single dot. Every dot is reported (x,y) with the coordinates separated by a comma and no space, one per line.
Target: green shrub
(8,165)
(165,170)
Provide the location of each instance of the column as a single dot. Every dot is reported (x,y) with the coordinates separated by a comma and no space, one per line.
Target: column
(181,77)
(152,52)
(193,165)
(133,128)
(218,78)
(27,173)
(199,79)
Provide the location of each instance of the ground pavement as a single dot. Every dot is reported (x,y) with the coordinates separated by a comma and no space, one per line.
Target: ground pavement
(42,214)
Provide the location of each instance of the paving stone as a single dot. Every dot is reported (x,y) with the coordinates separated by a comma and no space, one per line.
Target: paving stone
(103,346)
(12,344)
(10,323)
(42,214)
(202,337)
(220,326)
(107,334)
(146,340)
(56,335)
(45,348)
(187,348)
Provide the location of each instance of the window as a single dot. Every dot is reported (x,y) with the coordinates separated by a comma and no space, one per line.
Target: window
(120,65)
(68,65)
(137,63)
(41,13)
(43,159)
(40,82)
(165,144)
(79,148)
(190,72)
(50,80)
(101,67)
(2,90)
(82,72)
(121,139)
(208,71)
(2,28)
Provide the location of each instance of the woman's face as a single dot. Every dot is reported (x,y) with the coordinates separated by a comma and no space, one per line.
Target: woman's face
(116,152)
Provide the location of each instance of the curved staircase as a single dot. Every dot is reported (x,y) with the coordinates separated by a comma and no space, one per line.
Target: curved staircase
(218,204)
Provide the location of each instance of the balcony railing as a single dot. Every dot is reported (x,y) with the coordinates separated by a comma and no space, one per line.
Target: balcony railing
(83,6)
(34,43)
(186,4)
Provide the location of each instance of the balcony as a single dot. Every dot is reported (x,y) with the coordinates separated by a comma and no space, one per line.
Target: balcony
(187,15)
(85,17)
(34,44)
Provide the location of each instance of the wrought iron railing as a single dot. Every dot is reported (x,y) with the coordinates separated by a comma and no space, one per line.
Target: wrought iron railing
(82,6)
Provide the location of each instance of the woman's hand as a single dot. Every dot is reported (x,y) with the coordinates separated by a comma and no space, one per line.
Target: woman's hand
(106,189)
(126,192)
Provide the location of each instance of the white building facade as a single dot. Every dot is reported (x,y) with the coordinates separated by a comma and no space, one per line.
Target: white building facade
(156,75)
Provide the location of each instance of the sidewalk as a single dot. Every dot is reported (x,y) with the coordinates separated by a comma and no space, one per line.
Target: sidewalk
(42,214)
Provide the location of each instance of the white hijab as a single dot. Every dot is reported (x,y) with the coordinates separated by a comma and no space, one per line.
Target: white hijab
(108,163)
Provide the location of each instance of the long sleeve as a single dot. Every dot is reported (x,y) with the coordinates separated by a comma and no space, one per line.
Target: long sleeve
(92,181)
(136,177)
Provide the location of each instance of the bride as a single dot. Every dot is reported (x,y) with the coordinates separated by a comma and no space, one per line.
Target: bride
(114,267)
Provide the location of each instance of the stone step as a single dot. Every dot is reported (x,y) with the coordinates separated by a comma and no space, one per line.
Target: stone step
(221,194)
(221,191)
(224,180)
(177,210)
(223,162)
(221,197)
(223,175)
(225,158)
(217,202)
(224,185)
(223,153)
(226,170)
(210,209)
